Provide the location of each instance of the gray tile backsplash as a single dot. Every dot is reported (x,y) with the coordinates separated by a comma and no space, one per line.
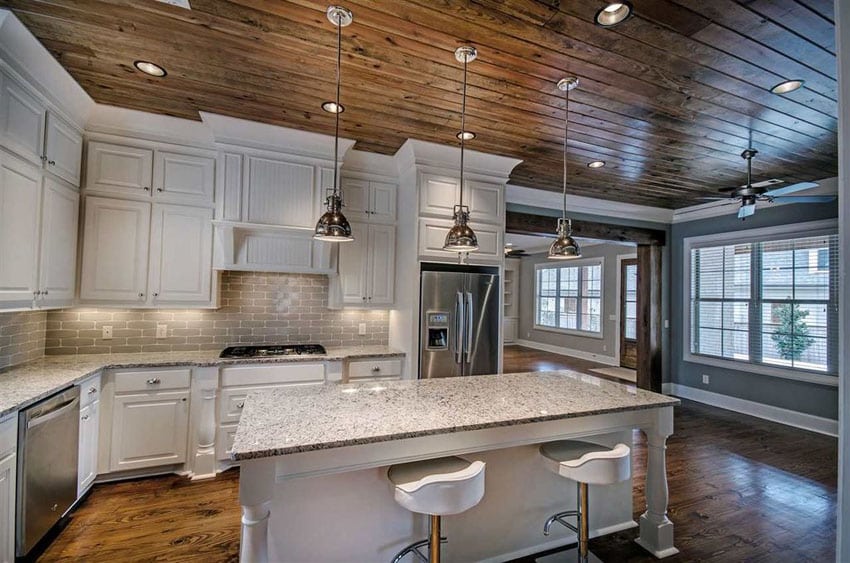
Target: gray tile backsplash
(256,308)
(22,337)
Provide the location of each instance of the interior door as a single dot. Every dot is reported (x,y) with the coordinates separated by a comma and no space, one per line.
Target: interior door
(628,313)
(481,354)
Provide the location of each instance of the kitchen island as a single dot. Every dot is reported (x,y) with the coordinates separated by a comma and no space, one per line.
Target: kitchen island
(313,479)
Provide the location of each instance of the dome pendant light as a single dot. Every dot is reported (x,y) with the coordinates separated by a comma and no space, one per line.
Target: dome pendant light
(565,246)
(461,237)
(332,225)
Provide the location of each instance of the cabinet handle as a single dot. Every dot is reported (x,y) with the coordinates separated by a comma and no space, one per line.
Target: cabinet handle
(92,390)
(159,189)
(376,368)
(84,417)
(51,162)
(37,293)
(240,405)
(146,188)
(45,292)
(364,298)
(154,381)
(43,158)
(141,294)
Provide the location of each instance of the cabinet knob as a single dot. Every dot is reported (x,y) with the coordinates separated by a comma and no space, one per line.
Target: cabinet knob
(43,157)
(84,417)
(141,294)
(364,298)
(51,162)
(146,188)
(154,381)
(376,368)
(45,292)
(92,390)
(240,405)
(159,189)
(37,293)
(156,294)
(370,298)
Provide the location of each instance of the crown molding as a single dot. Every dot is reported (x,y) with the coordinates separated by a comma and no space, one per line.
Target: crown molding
(447,157)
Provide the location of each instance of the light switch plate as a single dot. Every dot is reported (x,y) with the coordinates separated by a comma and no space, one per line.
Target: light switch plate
(162,331)
(106,332)
(706,379)
(362,329)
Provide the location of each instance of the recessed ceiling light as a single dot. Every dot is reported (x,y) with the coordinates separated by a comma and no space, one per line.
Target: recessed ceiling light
(787,86)
(150,68)
(596,164)
(465,135)
(332,107)
(613,13)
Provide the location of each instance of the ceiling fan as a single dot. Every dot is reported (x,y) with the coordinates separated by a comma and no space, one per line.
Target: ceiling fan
(511,252)
(751,193)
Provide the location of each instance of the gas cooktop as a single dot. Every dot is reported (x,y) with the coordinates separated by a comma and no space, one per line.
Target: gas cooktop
(266,350)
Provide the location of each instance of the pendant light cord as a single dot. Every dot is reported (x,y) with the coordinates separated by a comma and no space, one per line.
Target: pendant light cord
(566,132)
(337,188)
(463,126)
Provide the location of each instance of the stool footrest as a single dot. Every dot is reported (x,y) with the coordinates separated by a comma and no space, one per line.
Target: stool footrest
(559,518)
(414,548)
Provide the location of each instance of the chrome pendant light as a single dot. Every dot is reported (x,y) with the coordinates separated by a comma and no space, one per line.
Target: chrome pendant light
(332,225)
(461,237)
(565,246)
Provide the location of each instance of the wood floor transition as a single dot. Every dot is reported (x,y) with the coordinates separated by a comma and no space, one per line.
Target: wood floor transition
(741,489)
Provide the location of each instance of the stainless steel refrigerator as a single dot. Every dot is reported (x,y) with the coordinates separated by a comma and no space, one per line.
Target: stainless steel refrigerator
(459,321)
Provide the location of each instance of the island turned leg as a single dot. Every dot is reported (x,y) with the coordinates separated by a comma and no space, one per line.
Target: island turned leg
(656,530)
(256,487)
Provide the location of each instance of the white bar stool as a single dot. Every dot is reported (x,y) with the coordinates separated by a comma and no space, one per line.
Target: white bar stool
(437,487)
(586,463)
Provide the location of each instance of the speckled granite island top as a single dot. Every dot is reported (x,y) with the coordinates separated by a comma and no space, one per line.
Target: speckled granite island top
(25,384)
(286,421)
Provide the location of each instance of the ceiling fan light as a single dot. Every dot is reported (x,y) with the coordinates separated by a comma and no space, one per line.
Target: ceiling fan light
(787,86)
(613,14)
(565,247)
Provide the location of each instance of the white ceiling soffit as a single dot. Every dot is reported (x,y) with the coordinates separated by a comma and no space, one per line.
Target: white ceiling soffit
(521,195)
(827,186)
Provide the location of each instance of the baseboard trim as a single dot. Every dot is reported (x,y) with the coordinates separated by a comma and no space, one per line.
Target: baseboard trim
(580,354)
(788,417)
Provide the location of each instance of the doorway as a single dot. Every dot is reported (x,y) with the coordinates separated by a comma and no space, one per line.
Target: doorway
(628,313)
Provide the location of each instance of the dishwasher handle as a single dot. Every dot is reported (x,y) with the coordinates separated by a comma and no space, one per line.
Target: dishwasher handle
(54,413)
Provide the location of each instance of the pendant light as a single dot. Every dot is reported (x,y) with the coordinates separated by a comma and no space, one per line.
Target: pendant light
(461,237)
(565,246)
(332,225)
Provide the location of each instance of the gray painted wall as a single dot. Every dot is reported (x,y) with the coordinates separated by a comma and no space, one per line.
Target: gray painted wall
(605,346)
(819,400)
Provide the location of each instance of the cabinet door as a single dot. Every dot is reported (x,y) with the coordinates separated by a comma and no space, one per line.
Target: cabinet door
(119,168)
(115,250)
(20,188)
(437,195)
(181,254)
(356,196)
(21,120)
(183,178)
(280,193)
(149,430)
(57,271)
(382,202)
(63,147)
(353,265)
(485,202)
(432,235)
(7,508)
(87,464)
(381,264)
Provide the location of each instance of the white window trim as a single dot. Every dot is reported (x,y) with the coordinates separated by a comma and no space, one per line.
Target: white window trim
(808,229)
(569,264)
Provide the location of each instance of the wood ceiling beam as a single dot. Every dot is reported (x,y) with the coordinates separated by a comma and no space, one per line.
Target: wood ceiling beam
(541,225)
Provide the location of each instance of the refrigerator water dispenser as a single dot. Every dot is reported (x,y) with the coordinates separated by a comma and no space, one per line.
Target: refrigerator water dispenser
(438,331)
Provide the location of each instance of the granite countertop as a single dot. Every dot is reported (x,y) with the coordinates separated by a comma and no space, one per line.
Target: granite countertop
(301,419)
(25,384)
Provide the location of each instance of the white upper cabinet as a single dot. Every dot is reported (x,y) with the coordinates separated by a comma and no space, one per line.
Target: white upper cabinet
(181,254)
(20,188)
(369,201)
(381,265)
(438,195)
(486,202)
(57,269)
(115,250)
(63,146)
(119,169)
(183,177)
(356,195)
(280,193)
(432,236)
(382,198)
(22,118)
(353,266)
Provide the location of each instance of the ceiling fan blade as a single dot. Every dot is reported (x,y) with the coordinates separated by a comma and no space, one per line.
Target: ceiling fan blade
(805,198)
(791,189)
(729,189)
(746,211)
(716,198)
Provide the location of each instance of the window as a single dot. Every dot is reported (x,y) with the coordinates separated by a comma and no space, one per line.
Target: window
(771,302)
(630,298)
(569,298)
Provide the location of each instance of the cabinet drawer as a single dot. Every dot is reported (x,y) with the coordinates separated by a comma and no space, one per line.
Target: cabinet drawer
(233,399)
(8,434)
(224,442)
(380,367)
(273,374)
(153,380)
(89,391)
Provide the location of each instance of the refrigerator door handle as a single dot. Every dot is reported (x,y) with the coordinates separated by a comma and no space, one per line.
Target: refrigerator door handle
(469,318)
(459,322)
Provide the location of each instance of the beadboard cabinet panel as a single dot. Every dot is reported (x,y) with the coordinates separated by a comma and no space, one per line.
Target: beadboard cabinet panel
(280,193)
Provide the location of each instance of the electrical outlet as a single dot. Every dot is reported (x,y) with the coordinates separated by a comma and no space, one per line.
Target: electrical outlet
(666,323)
(106,333)
(162,331)
(706,379)
(361,330)
(604,347)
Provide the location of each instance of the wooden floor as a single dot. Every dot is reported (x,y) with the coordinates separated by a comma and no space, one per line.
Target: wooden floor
(741,489)
(520,358)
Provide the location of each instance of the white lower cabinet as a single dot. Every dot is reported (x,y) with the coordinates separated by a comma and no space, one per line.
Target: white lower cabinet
(89,433)
(373,369)
(149,429)
(8,469)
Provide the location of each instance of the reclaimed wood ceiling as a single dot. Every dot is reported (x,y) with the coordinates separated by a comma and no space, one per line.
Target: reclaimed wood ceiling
(668,98)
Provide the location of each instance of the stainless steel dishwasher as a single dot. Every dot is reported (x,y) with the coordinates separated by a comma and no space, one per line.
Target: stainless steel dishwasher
(48,437)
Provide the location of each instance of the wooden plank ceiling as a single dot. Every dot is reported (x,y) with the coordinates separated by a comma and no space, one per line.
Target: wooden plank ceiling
(668,98)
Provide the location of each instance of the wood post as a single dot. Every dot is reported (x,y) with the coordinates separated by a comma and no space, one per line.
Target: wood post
(649,317)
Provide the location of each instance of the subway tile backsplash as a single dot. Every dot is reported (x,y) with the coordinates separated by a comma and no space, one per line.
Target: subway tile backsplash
(256,308)
(22,337)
